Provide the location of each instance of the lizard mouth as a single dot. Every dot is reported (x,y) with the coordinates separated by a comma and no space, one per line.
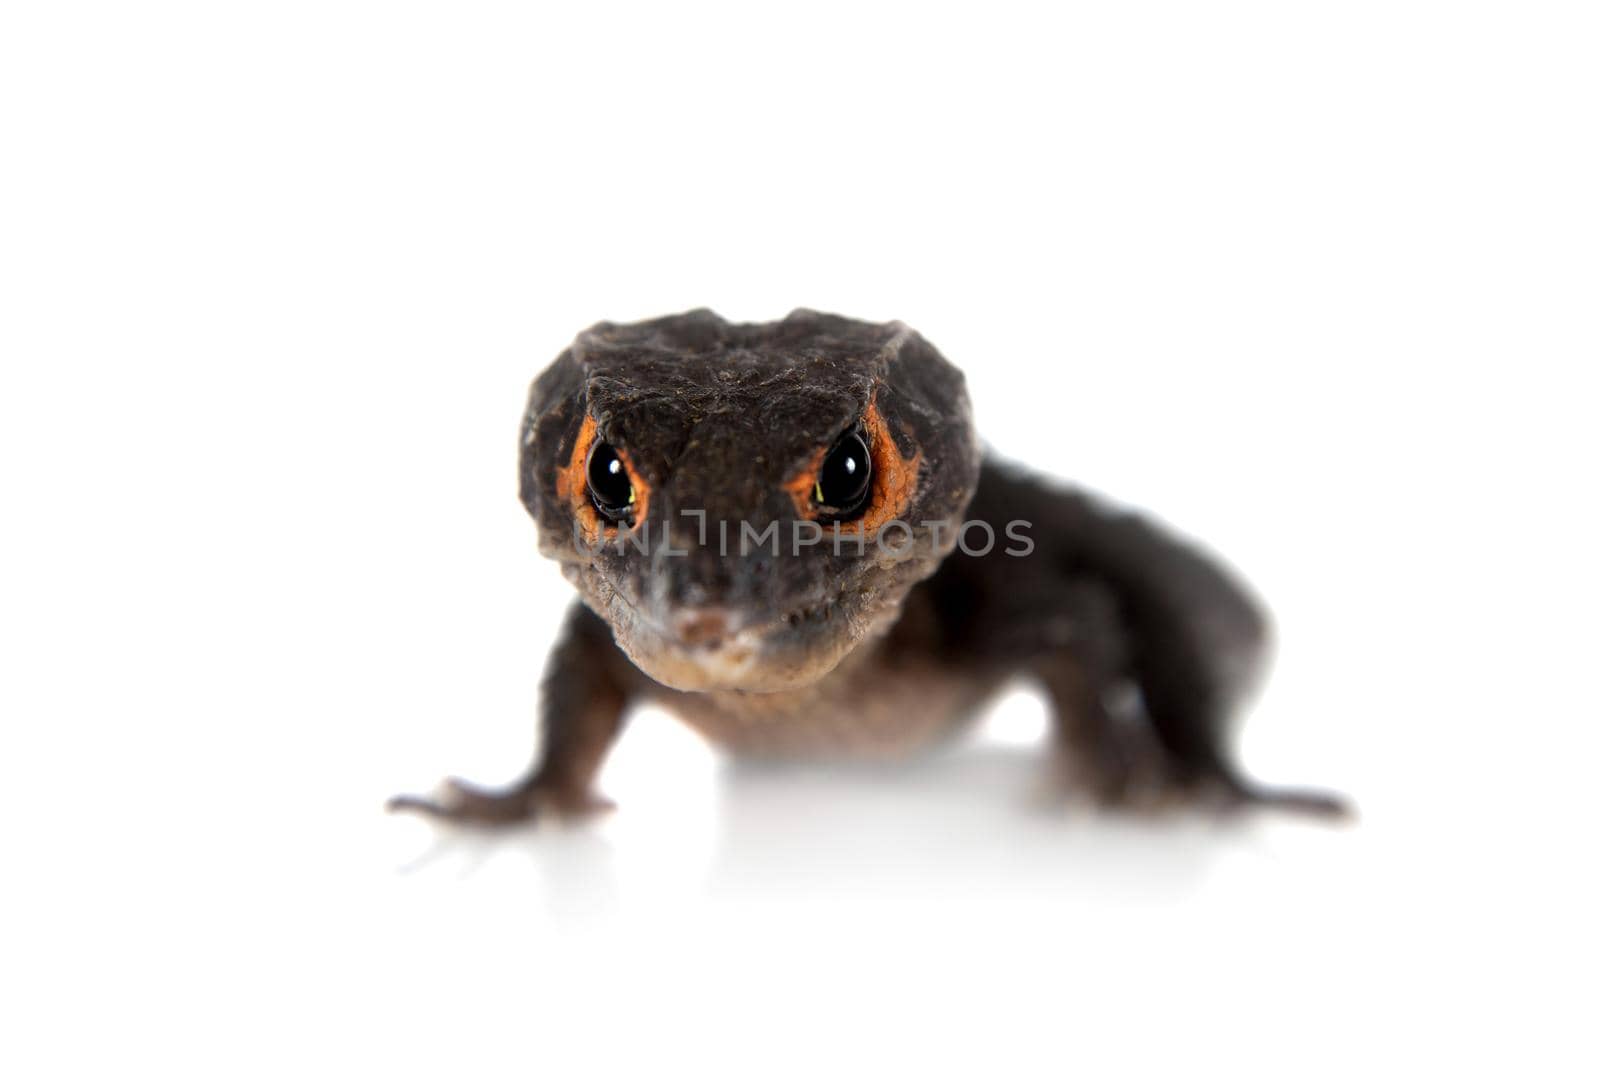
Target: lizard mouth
(757,656)
(703,650)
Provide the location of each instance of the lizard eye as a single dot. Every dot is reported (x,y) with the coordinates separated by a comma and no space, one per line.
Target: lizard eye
(845,477)
(610,488)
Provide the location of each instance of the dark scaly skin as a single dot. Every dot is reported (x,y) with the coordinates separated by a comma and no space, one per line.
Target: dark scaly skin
(1143,646)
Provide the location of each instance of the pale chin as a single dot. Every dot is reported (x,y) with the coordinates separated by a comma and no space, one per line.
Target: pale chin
(739,664)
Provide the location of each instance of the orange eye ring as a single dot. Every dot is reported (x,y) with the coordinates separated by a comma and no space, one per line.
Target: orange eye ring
(894,481)
(572,486)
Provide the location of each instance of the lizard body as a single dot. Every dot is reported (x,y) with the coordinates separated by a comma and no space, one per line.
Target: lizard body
(787,534)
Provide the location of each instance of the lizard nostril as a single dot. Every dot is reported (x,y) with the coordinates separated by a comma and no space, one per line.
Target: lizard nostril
(705,627)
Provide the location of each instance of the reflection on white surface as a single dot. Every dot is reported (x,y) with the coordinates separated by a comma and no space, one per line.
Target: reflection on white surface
(971,822)
(769,911)
(950,909)
(974,820)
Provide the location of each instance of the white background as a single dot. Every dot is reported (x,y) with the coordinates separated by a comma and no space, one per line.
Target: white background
(1316,284)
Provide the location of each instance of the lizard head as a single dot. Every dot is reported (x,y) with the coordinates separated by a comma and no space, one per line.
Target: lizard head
(744,504)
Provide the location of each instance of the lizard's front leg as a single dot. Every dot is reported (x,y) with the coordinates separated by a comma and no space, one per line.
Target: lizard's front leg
(585,693)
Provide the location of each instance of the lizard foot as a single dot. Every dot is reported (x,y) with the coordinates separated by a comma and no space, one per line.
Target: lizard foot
(1129,770)
(460,802)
